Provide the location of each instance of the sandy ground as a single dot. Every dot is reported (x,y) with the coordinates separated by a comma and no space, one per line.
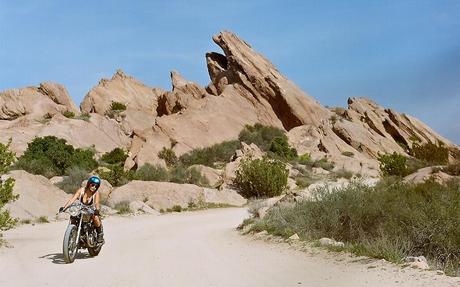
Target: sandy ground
(189,249)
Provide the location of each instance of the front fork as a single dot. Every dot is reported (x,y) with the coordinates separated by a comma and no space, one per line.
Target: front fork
(78,233)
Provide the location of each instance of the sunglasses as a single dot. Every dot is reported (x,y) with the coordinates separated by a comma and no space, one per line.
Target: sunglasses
(92,184)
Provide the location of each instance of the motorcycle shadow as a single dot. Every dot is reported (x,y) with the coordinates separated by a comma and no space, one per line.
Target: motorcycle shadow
(58,258)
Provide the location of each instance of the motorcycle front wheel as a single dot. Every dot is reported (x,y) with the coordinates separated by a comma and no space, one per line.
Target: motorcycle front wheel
(69,245)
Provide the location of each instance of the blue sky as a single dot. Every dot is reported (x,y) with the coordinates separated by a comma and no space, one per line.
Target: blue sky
(403,54)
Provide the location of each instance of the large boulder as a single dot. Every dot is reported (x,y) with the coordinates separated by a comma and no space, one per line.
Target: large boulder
(429,173)
(164,195)
(35,102)
(37,196)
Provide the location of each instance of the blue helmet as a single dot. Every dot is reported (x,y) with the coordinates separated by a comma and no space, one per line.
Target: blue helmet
(94,180)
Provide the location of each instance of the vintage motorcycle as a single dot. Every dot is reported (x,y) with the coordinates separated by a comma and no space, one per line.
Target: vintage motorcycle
(80,233)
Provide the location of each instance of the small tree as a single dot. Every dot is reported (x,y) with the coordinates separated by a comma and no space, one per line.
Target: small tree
(6,187)
(280,147)
(115,156)
(261,178)
(393,164)
(433,154)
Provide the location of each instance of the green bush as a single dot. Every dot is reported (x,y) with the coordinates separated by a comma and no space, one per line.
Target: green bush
(6,187)
(209,156)
(393,164)
(261,178)
(117,106)
(69,114)
(42,219)
(180,174)
(168,156)
(51,156)
(304,159)
(260,135)
(85,117)
(116,176)
(281,149)
(150,172)
(391,220)
(452,169)
(431,153)
(72,182)
(115,156)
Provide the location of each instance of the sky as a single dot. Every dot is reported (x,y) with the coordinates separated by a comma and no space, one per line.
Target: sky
(405,55)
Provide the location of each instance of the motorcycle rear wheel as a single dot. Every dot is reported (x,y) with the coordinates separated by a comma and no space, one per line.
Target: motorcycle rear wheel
(69,245)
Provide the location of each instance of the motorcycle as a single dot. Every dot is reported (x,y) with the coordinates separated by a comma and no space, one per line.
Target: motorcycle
(80,233)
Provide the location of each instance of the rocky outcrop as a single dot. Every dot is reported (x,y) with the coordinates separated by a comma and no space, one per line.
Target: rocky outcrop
(37,196)
(140,101)
(266,87)
(98,131)
(35,102)
(164,195)
(429,173)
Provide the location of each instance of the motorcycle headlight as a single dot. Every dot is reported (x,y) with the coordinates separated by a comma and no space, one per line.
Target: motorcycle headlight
(74,210)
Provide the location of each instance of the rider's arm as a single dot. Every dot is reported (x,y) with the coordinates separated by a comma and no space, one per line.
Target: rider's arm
(74,197)
(97,200)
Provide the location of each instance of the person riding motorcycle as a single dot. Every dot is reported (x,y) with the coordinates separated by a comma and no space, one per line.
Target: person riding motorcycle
(90,196)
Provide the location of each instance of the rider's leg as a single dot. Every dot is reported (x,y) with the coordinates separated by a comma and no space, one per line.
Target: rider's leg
(100,230)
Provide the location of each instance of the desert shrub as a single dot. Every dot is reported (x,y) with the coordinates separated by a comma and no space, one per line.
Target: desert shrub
(452,169)
(42,219)
(433,154)
(68,114)
(209,156)
(304,159)
(115,156)
(303,181)
(393,164)
(323,163)
(180,174)
(391,220)
(261,178)
(72,182)
(281,149)
(348,153)
(6,187)
(117,106)
(122,207)
(117,176)
(84,117)
(260,135)
(175,208)
(342,173)
(168,156)
(50,156)
(150,172)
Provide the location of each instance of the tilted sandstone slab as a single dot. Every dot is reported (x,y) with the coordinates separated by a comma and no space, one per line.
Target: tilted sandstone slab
(243,66)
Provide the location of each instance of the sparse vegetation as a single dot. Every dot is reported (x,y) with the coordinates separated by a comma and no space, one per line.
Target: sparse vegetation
(260,135)
(452,169)
(279,148)
(393,164)
(122,207)
(348,153)
(68,114)
(342,173)
(211,155)
(168,155)
(432,154)
(115,156)
(324,164)
(391,220)
(50,156)
(84,117)
(117,106)
(261,178)
(42,219)
(116,176)
(72,182)
(150,172)
(6,188)
(304,159)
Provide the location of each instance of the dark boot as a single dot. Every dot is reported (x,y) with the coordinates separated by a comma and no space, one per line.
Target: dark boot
(100,235)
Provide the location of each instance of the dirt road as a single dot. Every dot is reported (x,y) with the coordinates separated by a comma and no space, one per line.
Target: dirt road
(188,249)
